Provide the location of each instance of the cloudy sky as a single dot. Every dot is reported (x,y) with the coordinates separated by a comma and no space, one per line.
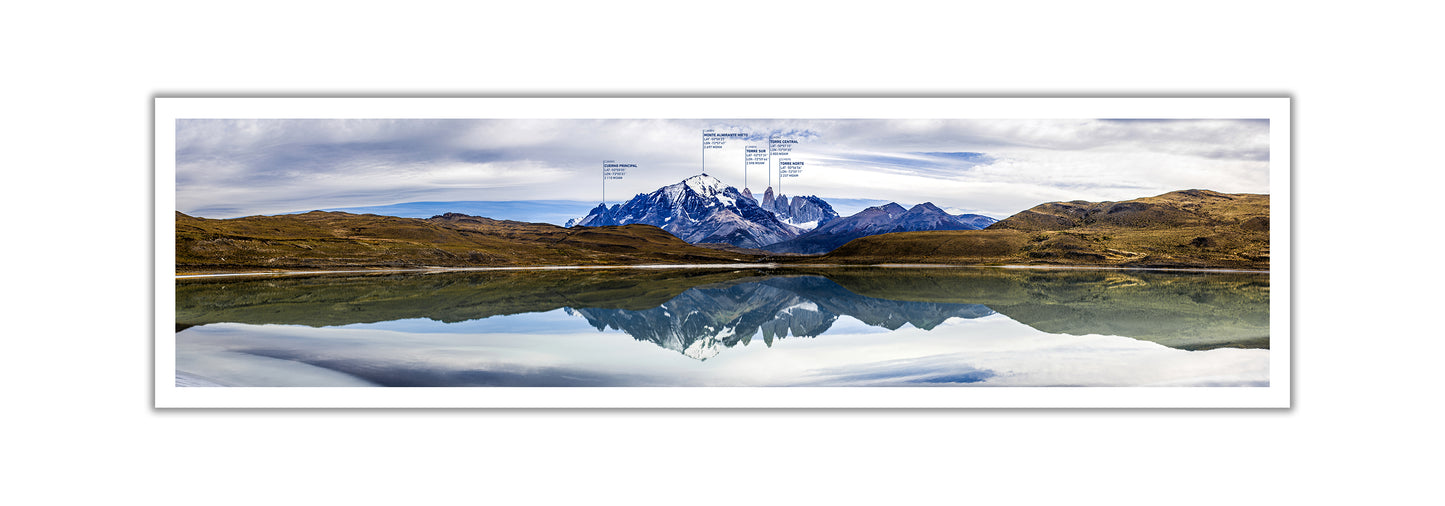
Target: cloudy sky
(228,168)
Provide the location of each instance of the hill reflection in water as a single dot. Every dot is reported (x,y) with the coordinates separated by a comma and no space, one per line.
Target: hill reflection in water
(701,314)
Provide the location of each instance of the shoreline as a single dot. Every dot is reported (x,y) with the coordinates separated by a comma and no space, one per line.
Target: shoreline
(429,270)
(1061,267)
(434,270)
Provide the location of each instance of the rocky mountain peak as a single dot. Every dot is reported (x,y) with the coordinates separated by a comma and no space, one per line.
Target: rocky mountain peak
(704,185)
(807,212)
(699,209)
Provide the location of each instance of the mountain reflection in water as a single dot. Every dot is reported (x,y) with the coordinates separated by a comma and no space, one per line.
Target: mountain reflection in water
(702,313)
(700,321)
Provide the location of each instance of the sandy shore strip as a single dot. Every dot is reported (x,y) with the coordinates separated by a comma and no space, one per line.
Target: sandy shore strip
(429,270)
(1047,267)
(1160,269)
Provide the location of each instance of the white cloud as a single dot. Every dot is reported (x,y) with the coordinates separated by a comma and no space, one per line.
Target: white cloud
(997,167)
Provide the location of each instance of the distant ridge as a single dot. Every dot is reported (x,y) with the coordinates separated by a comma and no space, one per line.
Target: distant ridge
(876,220)
(555,212)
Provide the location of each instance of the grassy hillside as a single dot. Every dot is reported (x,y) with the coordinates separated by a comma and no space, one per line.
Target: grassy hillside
(1192,228)
(330,240)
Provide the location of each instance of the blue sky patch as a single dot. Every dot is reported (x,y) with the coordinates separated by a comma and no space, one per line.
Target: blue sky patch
(963,156)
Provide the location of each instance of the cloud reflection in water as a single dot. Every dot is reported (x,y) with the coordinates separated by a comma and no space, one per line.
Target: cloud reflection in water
(1032,329)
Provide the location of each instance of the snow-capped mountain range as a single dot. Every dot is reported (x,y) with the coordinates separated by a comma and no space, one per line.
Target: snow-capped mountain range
(702,209)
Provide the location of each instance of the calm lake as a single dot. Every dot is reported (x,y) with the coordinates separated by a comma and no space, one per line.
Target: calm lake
(826,326)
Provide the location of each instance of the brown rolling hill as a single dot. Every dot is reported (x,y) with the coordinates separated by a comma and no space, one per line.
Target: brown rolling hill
(333,240)
(1191,228)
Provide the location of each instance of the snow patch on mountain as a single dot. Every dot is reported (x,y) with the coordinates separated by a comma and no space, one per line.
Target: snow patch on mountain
(704,184)
(807,225)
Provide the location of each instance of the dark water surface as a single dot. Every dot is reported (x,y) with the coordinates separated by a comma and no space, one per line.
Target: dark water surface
(733,327)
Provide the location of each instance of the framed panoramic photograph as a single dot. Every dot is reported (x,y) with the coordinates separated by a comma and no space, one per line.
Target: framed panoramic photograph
(907,252)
